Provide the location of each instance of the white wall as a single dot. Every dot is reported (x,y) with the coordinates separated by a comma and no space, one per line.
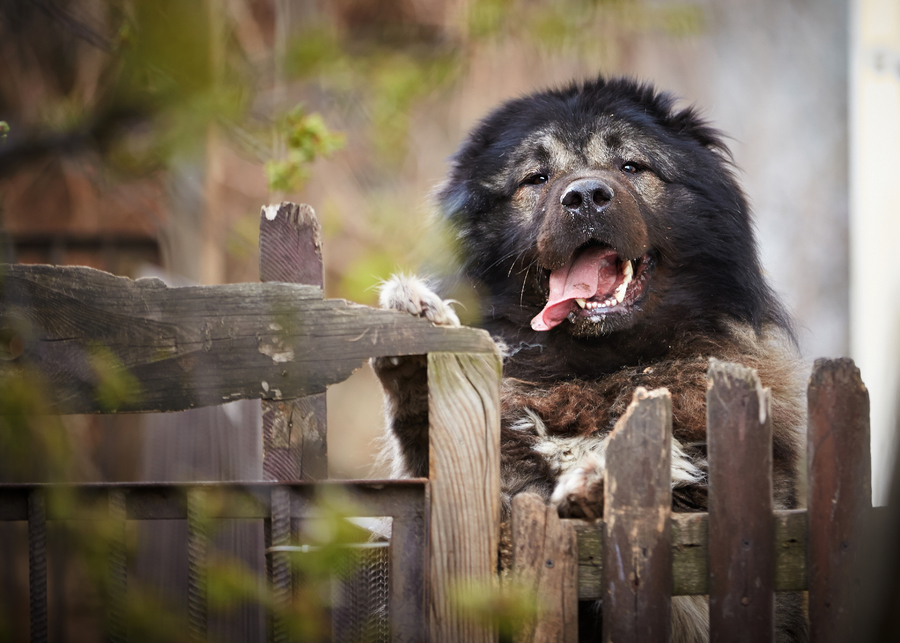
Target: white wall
(875,220)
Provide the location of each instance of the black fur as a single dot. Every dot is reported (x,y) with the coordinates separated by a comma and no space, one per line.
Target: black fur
(662,197)
(707,271)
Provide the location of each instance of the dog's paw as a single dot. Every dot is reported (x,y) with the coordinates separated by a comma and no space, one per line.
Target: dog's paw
(411,295)
(579,493)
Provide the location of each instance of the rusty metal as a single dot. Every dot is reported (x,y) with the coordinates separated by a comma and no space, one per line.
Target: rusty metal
(116,623)
(37,565)
(197,578)
(281,567)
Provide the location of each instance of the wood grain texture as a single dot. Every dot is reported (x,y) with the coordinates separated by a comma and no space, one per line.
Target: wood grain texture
(545,568)
(464,469)
(637,558)
(294,431)
(690,553)
(741,520)
(840,496)
(196,346)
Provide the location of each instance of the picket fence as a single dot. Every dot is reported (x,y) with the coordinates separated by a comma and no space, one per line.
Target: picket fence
(280,341)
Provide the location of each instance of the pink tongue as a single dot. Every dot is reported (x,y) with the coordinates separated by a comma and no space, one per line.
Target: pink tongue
(591,272)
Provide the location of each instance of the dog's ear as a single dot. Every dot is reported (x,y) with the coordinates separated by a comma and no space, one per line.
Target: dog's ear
(460,197)
(689,122)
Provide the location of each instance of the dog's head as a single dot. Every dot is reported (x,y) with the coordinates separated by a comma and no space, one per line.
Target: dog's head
(600,208)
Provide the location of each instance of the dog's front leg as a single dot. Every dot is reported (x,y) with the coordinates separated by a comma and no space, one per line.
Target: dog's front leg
(405,379)
(579,492)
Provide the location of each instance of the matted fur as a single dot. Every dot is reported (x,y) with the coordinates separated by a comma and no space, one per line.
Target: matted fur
(605,168)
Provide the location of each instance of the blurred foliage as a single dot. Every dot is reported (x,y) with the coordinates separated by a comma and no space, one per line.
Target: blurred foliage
(33,445)
(115,385)
(506,608)
(173,71)
(306,137)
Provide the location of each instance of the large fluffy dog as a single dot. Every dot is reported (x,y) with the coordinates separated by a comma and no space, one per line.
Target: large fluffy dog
(612,248)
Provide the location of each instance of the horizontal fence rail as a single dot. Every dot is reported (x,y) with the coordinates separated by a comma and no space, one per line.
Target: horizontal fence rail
(198,346)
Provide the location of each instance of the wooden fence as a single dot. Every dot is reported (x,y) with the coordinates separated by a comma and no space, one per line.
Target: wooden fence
(742,551)
(282,342)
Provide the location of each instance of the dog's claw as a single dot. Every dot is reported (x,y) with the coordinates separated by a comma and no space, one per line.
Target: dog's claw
(411,295)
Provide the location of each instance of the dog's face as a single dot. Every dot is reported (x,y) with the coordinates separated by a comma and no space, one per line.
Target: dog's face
(598,209)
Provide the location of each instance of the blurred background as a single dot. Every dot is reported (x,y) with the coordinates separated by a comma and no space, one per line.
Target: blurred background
(142,137)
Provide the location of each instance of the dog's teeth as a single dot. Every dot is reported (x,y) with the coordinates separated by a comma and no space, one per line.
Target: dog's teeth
(619,293)
(628,271)
(580,302)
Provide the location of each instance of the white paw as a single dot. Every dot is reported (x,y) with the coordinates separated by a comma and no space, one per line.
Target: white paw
(411,295)
(579,492)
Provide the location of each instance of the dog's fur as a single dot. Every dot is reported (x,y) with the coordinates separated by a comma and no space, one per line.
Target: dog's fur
(593,177)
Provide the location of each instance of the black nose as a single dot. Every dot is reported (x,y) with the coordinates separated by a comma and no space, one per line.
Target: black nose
(586,197)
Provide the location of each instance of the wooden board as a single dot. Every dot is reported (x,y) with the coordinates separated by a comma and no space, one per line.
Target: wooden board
(295,435)
(545,569)
(464,469)
(195,346)
(741,522)
(637,558)
(840,497)
(690,554)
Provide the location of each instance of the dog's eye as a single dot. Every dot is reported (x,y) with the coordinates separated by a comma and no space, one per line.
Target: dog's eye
(631,168)
(535,179)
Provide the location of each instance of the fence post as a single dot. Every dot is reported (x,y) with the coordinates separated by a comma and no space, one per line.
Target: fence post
(545,567)
(741,519)
(840,497)
(637,553)
(294,431)
(464,468)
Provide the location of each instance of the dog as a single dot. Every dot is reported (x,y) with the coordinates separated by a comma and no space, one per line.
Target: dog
(612,248)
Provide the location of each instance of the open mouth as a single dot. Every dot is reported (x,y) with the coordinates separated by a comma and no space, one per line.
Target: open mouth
(595,283)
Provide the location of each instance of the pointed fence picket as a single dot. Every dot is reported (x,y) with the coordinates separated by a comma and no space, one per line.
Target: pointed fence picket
(742,552)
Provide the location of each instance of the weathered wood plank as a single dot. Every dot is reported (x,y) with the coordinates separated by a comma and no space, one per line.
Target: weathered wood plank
(464,468)
(840,497)
(690,554)
(545,569)
(741,521)
(790,550)
(196,346)
(409,562)
(637,558)
(294,431)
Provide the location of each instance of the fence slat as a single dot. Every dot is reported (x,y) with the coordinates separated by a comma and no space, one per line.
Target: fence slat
(37,566)
(637,558)
(840,496)
(409,547)
(294,431)
(116,617)
(741,519)
(545,567)
(197,545)
(464,468)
